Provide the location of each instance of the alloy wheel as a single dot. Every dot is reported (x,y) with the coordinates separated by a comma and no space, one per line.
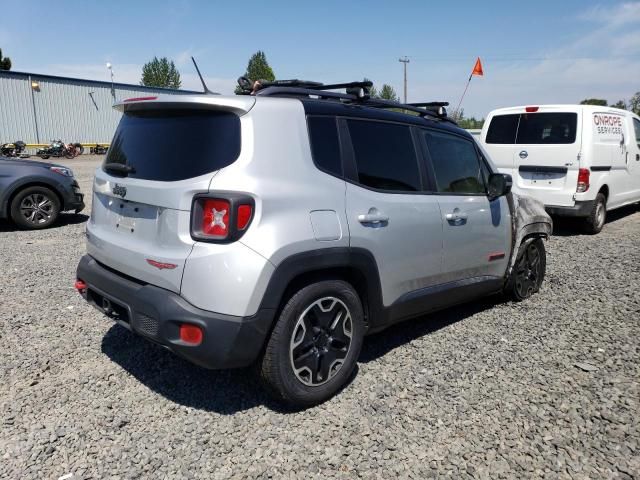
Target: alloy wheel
(321,341)
(528,271)
(37,208)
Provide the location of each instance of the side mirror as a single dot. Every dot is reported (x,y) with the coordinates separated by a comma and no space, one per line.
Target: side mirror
(499,185)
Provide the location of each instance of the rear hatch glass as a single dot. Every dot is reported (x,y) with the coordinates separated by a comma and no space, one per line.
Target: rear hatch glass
(533,128)
(172,145)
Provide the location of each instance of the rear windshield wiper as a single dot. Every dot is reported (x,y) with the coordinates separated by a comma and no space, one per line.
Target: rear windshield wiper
(120,168)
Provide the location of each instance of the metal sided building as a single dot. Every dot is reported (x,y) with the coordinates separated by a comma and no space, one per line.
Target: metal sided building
(39,108)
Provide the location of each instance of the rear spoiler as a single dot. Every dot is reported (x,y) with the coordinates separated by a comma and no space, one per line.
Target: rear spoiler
(236,104)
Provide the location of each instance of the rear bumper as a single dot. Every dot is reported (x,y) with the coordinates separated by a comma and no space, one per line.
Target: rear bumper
(580,209)
(156,313)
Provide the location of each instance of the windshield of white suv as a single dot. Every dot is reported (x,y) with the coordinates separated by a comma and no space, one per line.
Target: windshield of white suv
(170,145)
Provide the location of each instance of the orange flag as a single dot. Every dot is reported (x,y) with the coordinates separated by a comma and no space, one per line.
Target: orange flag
(477,68)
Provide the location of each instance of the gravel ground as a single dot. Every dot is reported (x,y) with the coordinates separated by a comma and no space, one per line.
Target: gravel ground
(546,388)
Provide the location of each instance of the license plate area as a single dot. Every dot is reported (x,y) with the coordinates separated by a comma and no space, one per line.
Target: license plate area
(132,216)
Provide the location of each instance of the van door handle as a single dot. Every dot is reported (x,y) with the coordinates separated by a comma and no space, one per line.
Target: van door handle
(373,218)
(456,217)
(637,157)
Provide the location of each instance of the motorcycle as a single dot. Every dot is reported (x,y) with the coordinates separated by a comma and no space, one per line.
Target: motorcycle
(98,150)
(14,149)
(58,148)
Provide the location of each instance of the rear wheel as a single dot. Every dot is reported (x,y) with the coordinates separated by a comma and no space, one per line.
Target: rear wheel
(598,216)
(35,208)
(314,346)
(528,272)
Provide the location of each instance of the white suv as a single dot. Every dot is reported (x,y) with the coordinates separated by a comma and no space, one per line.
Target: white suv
(283,227)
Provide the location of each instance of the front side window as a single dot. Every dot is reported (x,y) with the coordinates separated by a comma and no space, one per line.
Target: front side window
(456,164)
(385,156)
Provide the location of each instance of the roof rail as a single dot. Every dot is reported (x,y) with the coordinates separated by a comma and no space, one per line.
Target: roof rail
(356,93)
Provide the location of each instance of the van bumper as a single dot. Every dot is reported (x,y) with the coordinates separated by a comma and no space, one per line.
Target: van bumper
(580,209)
(156,314)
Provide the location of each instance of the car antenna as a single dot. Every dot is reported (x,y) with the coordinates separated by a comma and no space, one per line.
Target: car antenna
(204,85)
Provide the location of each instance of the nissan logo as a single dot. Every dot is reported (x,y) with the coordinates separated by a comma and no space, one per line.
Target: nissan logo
(523,154)
(119,190)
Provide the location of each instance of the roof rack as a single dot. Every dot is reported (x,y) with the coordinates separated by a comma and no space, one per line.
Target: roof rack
(356,93)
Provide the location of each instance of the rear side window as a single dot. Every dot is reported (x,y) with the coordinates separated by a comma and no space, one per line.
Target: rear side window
(325,145)
(456,164)
(503,129)
(636,127)
(171,145)
(547,128)
(385,156)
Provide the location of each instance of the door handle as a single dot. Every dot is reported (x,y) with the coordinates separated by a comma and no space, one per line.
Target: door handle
(373,218)
(456,217)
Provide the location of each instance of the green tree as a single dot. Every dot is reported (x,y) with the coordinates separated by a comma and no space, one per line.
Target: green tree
(388,93)
(594,101)
(5,62)
(258,69)
(634,103)
(160,72)
(620,104)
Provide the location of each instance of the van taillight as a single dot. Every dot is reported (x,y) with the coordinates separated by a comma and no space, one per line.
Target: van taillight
(583,180)
(221,219)
(531,109)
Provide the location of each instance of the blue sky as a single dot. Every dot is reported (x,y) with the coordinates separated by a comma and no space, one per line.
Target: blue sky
(533,52)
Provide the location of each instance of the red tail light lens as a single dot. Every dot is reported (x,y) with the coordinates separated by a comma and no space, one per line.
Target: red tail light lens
(215,218)
(191,334)
(221,220)
(244,216)
(583,180)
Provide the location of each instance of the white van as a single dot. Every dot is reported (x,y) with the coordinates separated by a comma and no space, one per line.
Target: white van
(579,160)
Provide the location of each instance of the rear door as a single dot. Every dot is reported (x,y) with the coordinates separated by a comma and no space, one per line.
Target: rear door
(158,160)
(388,212)
(544,154)
(476,231)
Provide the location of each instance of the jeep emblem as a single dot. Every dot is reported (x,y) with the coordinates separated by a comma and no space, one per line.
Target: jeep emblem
(119,190)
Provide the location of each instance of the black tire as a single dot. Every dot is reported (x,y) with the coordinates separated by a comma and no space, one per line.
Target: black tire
(313,329)
(598,215)
(44,157)
(528,271)
(35,208)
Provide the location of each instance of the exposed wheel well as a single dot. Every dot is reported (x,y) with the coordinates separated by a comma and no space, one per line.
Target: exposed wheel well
(349,274)
(7,211)
(605,191)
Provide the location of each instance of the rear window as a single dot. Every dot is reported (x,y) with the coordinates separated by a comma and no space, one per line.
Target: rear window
(533,128)
(170,145)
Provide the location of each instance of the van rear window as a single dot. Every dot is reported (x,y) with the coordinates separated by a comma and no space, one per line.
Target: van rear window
(171,145)
(533,128)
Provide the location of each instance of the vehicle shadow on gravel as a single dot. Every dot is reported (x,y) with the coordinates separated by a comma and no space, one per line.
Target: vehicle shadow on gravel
(569,227)
(222,391)
(230,391)
(379,344)
(64,220)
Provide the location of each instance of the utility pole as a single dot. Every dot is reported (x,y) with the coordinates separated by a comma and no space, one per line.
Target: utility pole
(405,60)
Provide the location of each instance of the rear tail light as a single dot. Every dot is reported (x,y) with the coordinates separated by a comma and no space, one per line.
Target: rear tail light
(531,109)
(221,220)
(191,334)
(583,180)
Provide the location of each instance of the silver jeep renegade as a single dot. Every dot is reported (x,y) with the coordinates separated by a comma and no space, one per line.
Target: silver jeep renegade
(282,227)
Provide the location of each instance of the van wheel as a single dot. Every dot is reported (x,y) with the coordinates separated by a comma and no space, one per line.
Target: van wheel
(35,208)
(528,272)
(598,216)
(314,346)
